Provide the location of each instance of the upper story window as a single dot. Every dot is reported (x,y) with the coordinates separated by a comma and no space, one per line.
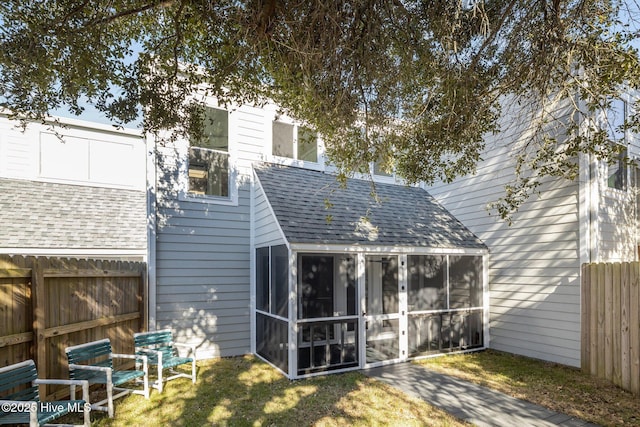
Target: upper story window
(294,142)
(617,171)
(209,156)
(379,170)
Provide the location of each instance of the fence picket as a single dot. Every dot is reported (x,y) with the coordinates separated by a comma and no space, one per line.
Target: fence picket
(609,274)
(616,349)
(611,323)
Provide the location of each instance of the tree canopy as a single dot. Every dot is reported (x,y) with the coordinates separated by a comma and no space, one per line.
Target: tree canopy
(415,85)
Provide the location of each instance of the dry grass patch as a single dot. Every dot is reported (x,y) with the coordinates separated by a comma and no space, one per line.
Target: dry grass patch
(557,387)
(244,391)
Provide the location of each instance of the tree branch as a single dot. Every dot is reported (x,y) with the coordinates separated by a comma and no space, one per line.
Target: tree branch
(135,11)
(493,34)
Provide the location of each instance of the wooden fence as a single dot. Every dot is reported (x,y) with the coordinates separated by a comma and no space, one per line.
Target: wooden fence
(611,323)
(47,304)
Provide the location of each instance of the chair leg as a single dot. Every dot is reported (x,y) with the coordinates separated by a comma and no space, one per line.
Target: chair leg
(86,410)
(193,370)
(33,415)
(87,414)
(110,410)
(160,379)
(145,368)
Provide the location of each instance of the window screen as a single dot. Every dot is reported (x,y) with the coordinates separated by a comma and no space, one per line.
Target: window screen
(307,145)
(465,281)
(280,280)
(262,279)
(427,282)
(315,286)
(283,139)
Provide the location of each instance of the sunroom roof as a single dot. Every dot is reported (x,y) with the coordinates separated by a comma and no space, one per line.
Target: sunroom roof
(312,207)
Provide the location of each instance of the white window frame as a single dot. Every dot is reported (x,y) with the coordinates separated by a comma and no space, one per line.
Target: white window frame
(232,198)
(272,158)
(613,191)
(385,179)
(624,143)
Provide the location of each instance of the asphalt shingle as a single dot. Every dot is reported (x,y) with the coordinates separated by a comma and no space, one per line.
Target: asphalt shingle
(312,207)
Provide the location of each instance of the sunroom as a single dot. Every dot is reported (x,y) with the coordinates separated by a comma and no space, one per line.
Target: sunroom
(346,281)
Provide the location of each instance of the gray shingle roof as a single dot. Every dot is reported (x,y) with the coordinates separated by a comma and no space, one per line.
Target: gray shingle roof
(59,216)
(312,207)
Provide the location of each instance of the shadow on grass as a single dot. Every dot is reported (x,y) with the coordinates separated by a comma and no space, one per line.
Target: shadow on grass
(246,391)
(557,387)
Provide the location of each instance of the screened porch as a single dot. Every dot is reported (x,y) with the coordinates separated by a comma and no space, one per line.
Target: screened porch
(351,310)
(332,296)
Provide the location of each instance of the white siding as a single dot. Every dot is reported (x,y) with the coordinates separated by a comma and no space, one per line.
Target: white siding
(203,247)
(534,263)
(267,232)
(78,154)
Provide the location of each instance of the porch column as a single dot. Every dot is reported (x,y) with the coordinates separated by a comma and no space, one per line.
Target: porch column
(293,314)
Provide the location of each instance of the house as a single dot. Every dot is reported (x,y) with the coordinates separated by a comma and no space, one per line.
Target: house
(253,247)
(534,270)
(76,191)
(257,249)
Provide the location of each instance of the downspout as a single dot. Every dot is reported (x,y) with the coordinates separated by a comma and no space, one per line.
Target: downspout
(152,221)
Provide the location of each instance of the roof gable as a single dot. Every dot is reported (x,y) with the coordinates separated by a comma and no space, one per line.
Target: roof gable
(312,207)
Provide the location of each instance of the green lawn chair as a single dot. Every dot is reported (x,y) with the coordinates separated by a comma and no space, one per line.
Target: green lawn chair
(161,351)
(93,362)
(20,397)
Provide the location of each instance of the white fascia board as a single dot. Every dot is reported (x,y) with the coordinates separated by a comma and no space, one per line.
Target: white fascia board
(75,253)
(313,247)
(80,123)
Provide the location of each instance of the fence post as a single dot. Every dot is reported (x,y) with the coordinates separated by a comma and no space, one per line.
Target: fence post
(37,280)
(585,303)
(144,302)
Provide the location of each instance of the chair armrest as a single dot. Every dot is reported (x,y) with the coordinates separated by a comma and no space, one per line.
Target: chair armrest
(72,383)
(127,356)
(146,350)
(90,367)
(62,382)
(192,347)
(145,359)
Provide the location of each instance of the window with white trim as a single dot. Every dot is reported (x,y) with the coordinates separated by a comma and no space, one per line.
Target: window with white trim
(617,170)
(209,157)
(380,170)
(294,142)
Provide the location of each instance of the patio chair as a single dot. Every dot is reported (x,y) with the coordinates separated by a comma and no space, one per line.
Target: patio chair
(20,397)
(93,362)
(161,351)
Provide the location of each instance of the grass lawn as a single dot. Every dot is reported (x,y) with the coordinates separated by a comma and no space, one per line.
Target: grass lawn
(244,391)
(247,392)
(557,387)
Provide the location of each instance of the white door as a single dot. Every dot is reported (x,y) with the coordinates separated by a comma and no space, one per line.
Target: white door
(381,309)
